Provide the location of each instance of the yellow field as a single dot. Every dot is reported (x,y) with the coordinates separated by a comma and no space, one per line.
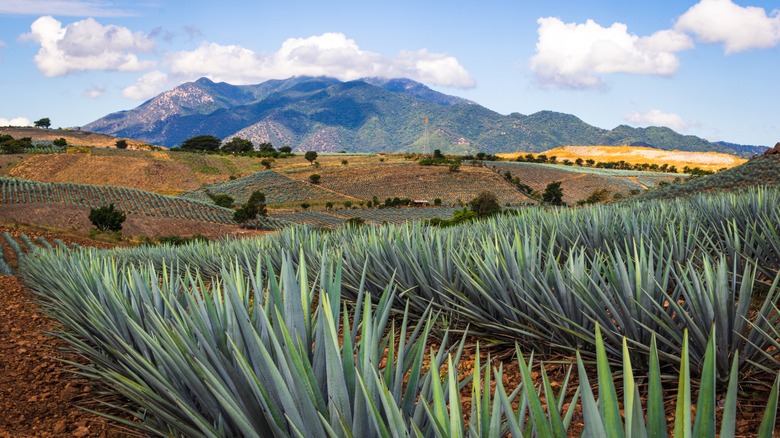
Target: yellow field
(639,155)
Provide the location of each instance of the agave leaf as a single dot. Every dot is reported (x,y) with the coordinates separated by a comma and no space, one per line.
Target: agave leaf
(682,417)
(766,430)
(704,425)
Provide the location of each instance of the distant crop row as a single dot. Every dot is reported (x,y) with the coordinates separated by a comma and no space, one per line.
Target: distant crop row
(278,189)
(580,182)
(418,182)
(131,201)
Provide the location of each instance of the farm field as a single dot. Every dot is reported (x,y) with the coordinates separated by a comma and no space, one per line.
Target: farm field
(542,278)
(165,172)
(638,155)
(413,181)
(579,182)
(80,138)
(278,189)
(762,170)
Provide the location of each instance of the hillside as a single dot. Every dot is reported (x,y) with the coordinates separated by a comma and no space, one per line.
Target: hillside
(74,138)
(367,115)
(580,182)
(165,172)
(762,170)
(639,155)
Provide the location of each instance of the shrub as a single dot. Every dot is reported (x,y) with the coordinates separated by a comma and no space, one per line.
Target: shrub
(485,204)
(355,221)
(553,193)
(107,218)
(121,144)
(314,178)
(437,201)
(310,156)
(222,200)
(61,142)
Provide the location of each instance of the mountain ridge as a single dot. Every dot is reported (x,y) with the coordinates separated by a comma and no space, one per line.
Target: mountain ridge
(369,115)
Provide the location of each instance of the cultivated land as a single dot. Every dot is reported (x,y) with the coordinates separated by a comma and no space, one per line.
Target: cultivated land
(540,277)
(640,155)
(73,137)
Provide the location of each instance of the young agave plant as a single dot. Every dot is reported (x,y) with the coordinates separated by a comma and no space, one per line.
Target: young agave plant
(603,418)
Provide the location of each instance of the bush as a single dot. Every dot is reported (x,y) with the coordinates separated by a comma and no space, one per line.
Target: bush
(222,200)
(314,178)
(485,204)
(553,194)
(437,201)
(121,144)
(355,221)
(107,218)
(61,142)
(253,208)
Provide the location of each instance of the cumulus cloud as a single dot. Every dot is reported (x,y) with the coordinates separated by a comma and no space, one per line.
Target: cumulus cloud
(146,86)
(72,8)
(656,117)
(736,27)
(87,45)
(571,55)
(329,54)
(16,121)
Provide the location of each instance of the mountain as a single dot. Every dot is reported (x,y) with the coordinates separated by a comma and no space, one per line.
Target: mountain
(366,115)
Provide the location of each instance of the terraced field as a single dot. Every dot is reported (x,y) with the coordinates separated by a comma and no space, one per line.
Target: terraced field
(278,189)
(418,182)
(16,191)
(579,182)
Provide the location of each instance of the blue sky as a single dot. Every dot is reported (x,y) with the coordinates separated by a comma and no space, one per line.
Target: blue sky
(706,68)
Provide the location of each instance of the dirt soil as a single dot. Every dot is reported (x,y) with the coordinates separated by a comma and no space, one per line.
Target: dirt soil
(70,217)
(39,396)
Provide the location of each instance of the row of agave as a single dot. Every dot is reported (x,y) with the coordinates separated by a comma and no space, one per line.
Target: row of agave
(547,278)
(244,353)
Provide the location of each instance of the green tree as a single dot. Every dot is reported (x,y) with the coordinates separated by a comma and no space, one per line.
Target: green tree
(266,147)
(121,144)
(253,208)
(223,200)
(553,194)
(43,123)
(107,218)
(310,156)
(238,145)
(285,149)
(485,204)
(266,162)
(60,142)
(437,154)
(202,143)
(314,178)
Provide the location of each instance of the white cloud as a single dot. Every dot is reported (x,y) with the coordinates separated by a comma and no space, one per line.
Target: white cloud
(737,28)
(94,92)
(656,117)
(571,55)
(16,121)
(72,8)
(2,43)
(87,45)
(146,86)
(329,54)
